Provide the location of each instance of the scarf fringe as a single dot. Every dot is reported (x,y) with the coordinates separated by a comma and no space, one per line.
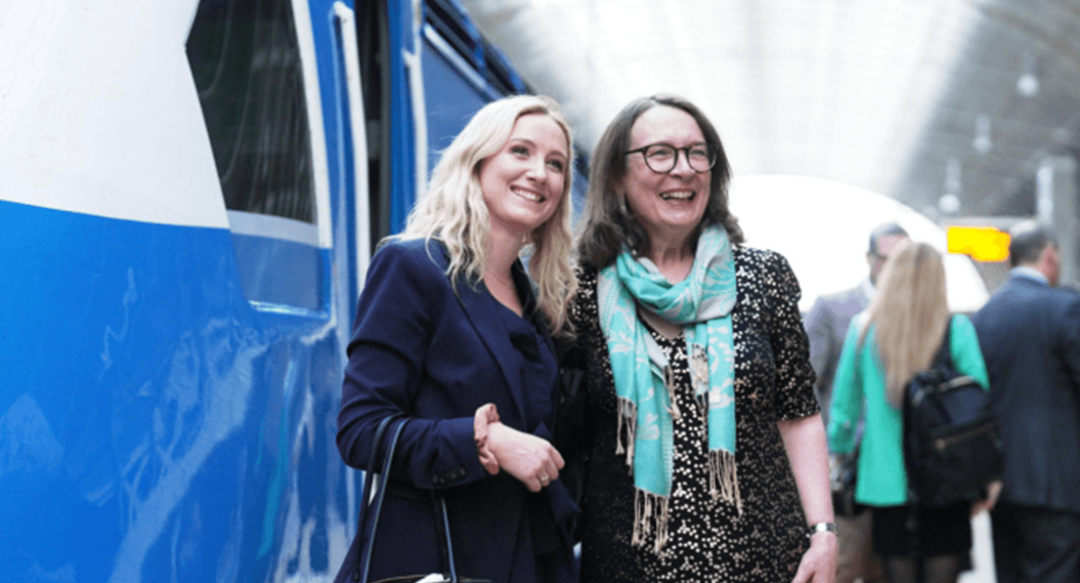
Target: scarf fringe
(650,516)
(651,512)
(724,478)
(669,383)
(626,429)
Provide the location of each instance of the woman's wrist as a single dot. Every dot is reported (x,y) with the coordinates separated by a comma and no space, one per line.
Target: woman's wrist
(485,416)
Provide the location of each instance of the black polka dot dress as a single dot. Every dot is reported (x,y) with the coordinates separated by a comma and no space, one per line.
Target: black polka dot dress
(709,540)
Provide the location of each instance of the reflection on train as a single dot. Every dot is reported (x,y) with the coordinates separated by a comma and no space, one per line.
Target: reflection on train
(191,192)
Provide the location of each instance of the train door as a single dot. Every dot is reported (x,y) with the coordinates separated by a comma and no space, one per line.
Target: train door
(280,87)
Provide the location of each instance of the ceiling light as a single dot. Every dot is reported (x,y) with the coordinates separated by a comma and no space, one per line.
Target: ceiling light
(949,204)
(982,142)
(1028,83)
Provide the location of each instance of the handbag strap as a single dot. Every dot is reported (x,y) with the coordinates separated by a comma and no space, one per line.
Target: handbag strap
(944,353)
(363,566)
(363,561)
(449,544)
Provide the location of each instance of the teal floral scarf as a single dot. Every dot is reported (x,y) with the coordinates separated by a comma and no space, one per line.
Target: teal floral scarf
(702,304)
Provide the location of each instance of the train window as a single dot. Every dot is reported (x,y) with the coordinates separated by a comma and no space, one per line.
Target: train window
(246,62)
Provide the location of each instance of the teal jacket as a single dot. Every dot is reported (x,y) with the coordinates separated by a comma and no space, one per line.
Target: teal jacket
(859,389)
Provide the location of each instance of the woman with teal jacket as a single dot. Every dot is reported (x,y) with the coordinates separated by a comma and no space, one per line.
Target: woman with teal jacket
(897,336)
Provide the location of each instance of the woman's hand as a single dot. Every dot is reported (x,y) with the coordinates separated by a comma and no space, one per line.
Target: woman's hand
(818,563)
(988,503)
(530,459)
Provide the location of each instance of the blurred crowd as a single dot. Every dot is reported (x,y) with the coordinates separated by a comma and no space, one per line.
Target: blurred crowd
(1023,346)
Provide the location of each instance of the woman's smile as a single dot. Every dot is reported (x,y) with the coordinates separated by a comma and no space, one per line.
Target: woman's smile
(677,195)
(528,194)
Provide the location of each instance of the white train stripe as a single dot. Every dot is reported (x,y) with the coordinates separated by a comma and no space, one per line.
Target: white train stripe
(258,225)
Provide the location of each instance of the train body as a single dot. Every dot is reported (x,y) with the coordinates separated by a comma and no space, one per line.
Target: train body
(189,194)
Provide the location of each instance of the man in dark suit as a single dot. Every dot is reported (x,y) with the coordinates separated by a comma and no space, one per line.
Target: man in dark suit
(827,325)
(1029,332)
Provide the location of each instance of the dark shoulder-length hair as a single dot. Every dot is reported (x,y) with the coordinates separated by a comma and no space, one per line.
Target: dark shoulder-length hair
(607,224)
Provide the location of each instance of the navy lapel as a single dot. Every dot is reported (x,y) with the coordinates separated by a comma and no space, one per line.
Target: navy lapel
(480,308)
(527,290)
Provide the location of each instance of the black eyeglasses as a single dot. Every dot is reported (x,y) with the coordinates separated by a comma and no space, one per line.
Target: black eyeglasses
(662,158)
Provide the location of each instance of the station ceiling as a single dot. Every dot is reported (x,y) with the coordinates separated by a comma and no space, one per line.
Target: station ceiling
(914,99)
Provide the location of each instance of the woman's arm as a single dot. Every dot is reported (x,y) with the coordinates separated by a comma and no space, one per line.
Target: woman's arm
(804,440)
(803,434)
(846,394)
(403,294)
(965,351)
(401,312)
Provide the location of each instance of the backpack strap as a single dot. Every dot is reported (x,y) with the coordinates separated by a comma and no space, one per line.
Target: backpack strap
(944,353)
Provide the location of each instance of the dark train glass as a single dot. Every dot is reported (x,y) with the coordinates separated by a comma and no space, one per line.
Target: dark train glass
(245,59)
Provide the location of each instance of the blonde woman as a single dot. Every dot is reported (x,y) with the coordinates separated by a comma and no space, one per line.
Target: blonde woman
(886,345)
(450,335)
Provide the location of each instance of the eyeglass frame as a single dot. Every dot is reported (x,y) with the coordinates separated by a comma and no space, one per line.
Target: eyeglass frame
(710,150)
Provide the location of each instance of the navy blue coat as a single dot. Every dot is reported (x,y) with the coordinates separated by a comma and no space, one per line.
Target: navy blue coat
(436,353)
(1029,333)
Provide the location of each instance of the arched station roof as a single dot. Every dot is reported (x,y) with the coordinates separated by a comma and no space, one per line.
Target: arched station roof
(910,98)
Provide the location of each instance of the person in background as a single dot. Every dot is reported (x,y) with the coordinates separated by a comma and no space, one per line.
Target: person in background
(828,320)
(708,461)
(450,335)
(1029,331)
(827,325)
(898,336)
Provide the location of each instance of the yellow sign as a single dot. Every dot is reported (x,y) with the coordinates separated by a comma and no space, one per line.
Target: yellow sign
(981,243)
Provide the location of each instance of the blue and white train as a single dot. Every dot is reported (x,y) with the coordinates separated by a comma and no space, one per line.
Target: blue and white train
(189,194)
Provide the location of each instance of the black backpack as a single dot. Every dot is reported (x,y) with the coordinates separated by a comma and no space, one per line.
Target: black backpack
(952,444)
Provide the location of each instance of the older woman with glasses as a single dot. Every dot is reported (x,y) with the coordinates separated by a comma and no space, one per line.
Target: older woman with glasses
(707,459)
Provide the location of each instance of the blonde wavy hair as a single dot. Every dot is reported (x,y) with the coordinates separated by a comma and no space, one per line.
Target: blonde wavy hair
(454,211)
(909,313)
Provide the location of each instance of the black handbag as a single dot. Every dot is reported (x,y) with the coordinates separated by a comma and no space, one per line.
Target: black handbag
(363,561)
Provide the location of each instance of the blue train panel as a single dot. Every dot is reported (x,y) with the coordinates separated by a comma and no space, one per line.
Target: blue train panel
(156,426)
(453,91)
